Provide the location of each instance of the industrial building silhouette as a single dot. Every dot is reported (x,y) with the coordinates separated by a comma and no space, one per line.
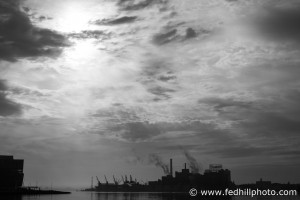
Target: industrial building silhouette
(11,172)
(213,178)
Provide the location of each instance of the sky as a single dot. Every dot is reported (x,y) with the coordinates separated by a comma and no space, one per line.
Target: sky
(98,87)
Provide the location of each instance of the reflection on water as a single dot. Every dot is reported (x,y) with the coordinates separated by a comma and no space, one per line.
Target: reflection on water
(178,196)
(264,198)
(138,196)
(11,197)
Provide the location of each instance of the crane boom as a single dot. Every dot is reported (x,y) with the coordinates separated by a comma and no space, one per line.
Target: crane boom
(99,183)
(116,182)
(106,179)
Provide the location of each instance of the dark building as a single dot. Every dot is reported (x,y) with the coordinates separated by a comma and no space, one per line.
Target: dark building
(11,172)
(217,177)
(213,178)
(181,181)
(263,184)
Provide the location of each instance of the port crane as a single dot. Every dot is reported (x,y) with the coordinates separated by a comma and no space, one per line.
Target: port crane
(106,180)
(99,183)
(115,181)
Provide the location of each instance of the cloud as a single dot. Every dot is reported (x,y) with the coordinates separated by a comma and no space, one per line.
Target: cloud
(137,131)
(167,77)
(20,38)
(155,67)
(163,38)
(145,131)
(220,104)
(161,92)
(271,125)
(234,151)
(138,4)
(171,33)
(116,21)
(88,34)
(7,107)
(280,22)
(190,33)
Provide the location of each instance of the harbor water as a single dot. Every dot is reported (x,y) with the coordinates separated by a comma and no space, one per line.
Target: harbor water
(136,196)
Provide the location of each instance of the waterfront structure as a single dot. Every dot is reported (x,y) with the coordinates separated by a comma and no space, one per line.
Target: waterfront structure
(11,179)
(11,172)
(214,178)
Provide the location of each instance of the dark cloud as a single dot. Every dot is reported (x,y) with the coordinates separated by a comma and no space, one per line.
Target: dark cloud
(170,34)
(221,104)
(43,18)
(165,37)
(7,107)
(190,33)
(144,130)
(172,147)
(20,38)
(87,34)
(158,78)
(137,131)
(156,67)
(138,4)
(271,124)
(264,119)
(248,150)
(280,22)
(263,138)
(225,144)
(2,85)
(239,151)
(161,92)
(167,77)
(209,139)
(116,21)
(290,153)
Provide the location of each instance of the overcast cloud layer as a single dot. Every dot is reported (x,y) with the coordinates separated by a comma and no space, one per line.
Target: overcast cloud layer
(83,82)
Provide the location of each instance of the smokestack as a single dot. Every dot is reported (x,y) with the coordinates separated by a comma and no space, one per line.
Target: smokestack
(184,165)
(194,166)
(171,167)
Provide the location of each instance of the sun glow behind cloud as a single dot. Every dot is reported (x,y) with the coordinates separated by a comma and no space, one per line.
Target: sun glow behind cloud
(73,18)
(70,15)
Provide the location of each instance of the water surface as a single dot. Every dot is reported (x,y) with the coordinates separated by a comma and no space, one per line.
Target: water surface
(135,196)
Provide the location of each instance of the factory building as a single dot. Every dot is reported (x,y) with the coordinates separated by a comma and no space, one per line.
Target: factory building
(216,176)
(213,178)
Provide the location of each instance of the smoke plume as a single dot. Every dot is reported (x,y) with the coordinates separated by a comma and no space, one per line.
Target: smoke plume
(192,162)
(157,161)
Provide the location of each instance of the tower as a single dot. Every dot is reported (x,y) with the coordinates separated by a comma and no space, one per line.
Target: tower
(171,167)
